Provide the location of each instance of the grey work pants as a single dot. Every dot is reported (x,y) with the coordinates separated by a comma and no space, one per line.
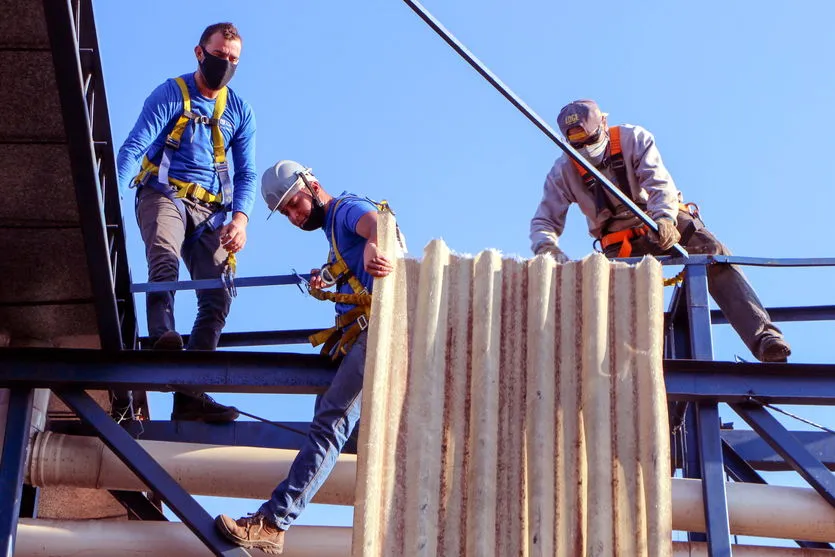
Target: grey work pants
(166,236)
(727,284)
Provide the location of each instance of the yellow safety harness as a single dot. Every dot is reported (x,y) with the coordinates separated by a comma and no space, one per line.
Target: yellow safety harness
(172,144)
(339,339)
(177,190)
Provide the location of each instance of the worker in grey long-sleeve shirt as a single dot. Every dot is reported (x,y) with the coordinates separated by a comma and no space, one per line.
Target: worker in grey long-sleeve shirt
(628,157)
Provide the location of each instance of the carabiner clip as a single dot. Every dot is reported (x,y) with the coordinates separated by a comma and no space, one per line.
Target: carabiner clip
(303,284)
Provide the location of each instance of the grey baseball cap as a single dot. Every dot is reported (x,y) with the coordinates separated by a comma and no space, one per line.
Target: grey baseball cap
(584,114)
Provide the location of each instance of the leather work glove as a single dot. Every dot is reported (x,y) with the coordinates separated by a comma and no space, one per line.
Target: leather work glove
(667,235)
(555,252)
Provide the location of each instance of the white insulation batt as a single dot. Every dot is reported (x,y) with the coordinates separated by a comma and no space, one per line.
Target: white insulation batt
(514,407)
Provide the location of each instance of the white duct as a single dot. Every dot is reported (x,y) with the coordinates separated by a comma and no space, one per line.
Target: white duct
(771,511)
(97,538)
(243,472)
(685,549)
(57,459)
(103,538)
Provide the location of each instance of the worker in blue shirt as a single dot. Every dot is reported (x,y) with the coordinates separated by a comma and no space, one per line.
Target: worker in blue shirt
(185,193)
(350,225)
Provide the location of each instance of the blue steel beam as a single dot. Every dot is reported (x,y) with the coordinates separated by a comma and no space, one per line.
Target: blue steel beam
(738,382)
(242,372)
(809,467)
(61,26)
(761,456)
(150,472)
(256,338)
(139,507)
(737,260)
(18,422)
(711,466)
(713,480)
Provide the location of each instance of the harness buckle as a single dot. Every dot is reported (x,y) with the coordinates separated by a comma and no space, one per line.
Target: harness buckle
(222,167)
(328,279)
(201,119)
(171,142)
(362,321)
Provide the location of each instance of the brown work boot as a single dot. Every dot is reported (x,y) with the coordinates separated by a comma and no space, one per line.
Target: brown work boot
(252,531)
(169,340)
(774,349)
(200,407)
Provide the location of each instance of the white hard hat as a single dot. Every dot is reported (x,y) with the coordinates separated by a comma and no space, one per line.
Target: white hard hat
(282,181)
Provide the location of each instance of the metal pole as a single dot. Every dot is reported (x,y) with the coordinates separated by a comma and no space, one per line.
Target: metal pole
(18,422)
(497,83)
(711,464)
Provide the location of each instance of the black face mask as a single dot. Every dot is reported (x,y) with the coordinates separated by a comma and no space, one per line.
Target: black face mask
(216,71)
(316,218)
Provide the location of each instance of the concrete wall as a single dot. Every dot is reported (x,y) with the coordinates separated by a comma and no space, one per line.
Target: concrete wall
(514,408)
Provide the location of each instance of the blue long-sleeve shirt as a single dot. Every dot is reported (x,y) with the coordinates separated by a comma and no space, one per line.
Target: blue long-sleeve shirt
(194,160)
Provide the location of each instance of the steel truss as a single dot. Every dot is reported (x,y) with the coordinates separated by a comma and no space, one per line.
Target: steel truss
(696,385)
(692,379)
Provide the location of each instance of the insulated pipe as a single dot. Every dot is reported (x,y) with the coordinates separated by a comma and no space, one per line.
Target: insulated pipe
(687,549)
(133,538)
(229,471)
(771,511)
(248,472)
(97,538)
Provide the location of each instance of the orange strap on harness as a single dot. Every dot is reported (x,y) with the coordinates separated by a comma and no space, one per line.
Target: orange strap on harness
(618,166)
(622,237)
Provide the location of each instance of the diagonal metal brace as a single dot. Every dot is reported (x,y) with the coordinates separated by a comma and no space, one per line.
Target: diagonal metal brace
(787,446)
(150,472)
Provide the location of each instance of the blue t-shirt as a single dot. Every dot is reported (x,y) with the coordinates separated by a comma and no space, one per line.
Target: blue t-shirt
(342,224)
(194,160)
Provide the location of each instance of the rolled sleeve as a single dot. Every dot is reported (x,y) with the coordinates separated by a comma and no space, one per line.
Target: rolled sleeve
(243,156)
(548,222)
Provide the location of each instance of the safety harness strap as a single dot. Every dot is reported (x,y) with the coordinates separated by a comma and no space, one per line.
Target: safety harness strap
(172,144)
(616,162)
(623,237)
(341,337)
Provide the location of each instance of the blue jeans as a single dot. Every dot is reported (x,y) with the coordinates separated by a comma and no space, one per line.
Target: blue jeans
(336,416)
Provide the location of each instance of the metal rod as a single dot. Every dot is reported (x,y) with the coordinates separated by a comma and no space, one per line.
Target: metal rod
(206,284)
(150,472)
(18,422)
(505,91)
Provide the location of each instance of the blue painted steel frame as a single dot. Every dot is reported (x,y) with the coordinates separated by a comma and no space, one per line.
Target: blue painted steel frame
(18,423)
(741,471)
(150,472)
(241,372)
(782,441)
(707,419)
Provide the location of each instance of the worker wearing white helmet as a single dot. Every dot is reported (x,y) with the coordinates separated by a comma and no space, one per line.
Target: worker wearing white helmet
(629,158)
(350,225)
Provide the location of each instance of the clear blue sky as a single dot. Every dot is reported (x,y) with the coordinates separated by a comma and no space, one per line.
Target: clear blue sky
(738,95)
